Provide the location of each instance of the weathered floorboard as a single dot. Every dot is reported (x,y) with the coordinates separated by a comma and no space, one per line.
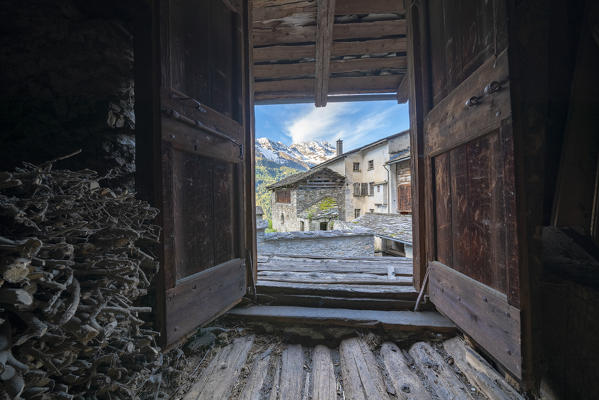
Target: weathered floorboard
(405,381)
(348,290)
(323,372)
(441,378)
(292,373)
(330,277)
(479,372)
(362,379)
(219,377)
(276,382)
(361,303)
(252,388)
(399,320)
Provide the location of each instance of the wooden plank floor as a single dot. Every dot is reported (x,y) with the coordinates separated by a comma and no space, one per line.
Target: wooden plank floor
(429,321)
(360,368)
(379,283)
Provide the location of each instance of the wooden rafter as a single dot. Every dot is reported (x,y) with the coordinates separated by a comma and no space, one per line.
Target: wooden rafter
(325,18)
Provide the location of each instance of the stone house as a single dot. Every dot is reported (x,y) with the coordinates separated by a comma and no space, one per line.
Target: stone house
(377,176)
(310,200)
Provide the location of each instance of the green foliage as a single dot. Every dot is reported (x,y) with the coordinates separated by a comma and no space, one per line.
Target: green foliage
(267,173)
(327,203)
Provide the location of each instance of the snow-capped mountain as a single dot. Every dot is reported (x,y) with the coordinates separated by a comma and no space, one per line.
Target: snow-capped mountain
(298,155)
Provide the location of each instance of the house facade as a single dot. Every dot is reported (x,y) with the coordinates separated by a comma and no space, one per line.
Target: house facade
(308,201)
(377,176)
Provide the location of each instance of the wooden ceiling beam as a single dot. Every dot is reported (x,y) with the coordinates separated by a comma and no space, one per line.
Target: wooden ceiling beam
(266,12)
(368,64)
(347,7)
(275,53)
(339,49)
(403,90)
(265,35)
(363,47)
(325,18)
(370,30)
(307,69)
(278,71)
(340,85)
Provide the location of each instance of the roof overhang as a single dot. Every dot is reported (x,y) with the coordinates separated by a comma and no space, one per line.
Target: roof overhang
(325,50)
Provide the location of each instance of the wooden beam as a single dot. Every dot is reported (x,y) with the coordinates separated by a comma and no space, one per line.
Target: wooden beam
(274,53)
(402,90)
(346,7)
(364,47)
(368,64)
(339,49)
(293,70)
(263,12)
(370,30)
(307,69)
(325,18)
(340,85)
(267,35)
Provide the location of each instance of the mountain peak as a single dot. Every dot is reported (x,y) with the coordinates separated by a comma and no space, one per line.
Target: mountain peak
(298,155)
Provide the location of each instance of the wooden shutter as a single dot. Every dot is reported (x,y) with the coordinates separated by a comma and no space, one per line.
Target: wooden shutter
(364,189)
(462,125)
(356,189)
(200,159)
(404,198)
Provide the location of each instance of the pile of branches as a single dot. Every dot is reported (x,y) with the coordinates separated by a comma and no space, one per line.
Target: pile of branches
(76,260)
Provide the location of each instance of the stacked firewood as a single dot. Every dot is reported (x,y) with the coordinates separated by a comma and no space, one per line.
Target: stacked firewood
(76,259)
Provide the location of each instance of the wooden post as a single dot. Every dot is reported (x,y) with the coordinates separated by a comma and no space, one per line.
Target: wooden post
(324,40)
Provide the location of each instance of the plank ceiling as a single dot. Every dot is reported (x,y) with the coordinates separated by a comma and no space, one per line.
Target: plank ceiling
(318,50)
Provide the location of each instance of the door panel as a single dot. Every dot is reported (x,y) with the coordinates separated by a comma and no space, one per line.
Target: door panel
(203,162)
(469,183)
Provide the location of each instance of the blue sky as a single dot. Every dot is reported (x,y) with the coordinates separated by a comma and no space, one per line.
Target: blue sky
(357,123)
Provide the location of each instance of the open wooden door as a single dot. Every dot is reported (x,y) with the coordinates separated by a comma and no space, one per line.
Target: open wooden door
(461,119)
(201,133)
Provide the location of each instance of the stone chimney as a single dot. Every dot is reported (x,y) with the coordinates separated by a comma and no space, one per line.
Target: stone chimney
(339,147)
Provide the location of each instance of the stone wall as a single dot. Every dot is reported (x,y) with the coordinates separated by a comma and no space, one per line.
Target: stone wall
(284,215)
(334,243)
(307,197)
(67,84)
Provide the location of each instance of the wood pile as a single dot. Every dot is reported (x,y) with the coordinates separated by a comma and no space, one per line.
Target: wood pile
(76,260)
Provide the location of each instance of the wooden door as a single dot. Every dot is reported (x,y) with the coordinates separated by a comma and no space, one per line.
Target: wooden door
(200,144)
(464,137)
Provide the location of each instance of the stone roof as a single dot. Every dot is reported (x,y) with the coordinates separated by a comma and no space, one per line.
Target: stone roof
(318,234)
(331,213)
(294,179)
(396,227)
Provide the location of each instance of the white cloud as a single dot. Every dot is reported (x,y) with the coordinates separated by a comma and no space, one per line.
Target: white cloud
(319,123)
(348,121)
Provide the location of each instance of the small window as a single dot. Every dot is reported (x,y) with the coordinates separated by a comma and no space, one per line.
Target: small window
(302,226)
(356,189)
(323,226)
(370,164)
(282,218)
(371,210)
(364,189)
(378,188)
(283,196)
(356,213)
(371,189)
(356,167)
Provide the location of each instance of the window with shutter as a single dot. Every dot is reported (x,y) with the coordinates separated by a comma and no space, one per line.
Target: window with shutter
(283,196)
(371,189)
(404,198)
(364,189)
(356,189)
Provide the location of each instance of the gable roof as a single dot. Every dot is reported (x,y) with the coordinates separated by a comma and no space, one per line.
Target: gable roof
(293,180)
